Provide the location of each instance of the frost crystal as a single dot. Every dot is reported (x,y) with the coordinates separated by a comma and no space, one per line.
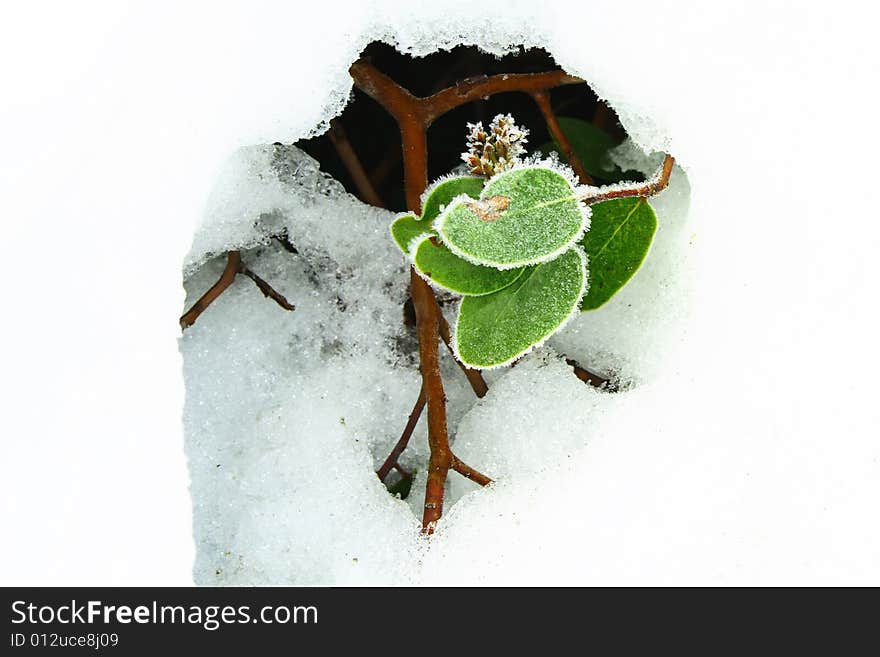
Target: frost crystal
(498,149)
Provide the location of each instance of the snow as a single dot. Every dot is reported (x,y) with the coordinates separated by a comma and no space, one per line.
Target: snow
(743,452)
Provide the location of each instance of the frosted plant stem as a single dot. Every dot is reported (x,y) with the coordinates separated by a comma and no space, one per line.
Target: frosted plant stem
(267,290)
(233,262)
(366,191)
(233,267)
(601,116)
(414,116)
(474,377)
(467,471)
(542,99)
(391,461)
(589,377)
(368,194)
(654,185)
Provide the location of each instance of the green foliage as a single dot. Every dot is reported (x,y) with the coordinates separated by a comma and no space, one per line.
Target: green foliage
(524,216)
(515,249)
(443,192)
(590,144)
(498,328)
(406,228)
(441,266)
(621,232)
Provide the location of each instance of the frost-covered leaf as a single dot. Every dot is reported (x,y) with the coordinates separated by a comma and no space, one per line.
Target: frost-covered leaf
(441,193)
(620,236)
(523,216)
(498,328)
(438,263)
(406,228)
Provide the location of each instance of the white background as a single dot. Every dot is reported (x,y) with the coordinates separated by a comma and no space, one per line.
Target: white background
(115,117)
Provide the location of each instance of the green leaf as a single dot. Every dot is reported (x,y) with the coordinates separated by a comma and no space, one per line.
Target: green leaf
(621,232)
(498,328)
(441,193)
(524,216)
(592,146)
(455,274)
(406,228)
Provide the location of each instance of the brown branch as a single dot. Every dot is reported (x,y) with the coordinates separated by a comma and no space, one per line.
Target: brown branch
(467,471)
(386,165)
(366,191)
(474,377)
(413,121)
(395,99)
(480,87)
(587,376)
(267,290)
(391,461)
(402,105)
(542,100)
(414,116)
(427,326)
(233,263)
(628,190)
(233,267)
(602,115)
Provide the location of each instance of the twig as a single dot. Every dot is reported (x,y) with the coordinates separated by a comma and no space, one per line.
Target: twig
(398,101)
(601,115)
(414,116)
(386,165)
(233,267)
(353,165)
(233,262)
(476,88)
(267,290)
(285,243)
(587,376)
(542,99)
(474,377)
(467,471)
(655,184)
(391,461)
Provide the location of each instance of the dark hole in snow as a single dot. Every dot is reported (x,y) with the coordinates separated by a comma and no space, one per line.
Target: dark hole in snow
(375,138)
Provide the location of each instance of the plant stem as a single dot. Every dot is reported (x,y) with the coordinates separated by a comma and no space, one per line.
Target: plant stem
(391,461)
(233,262)
(414,116)
(267,290)
(587,376)
(474,377)
(654,185)
(366,191)
(542,99)
(233,267)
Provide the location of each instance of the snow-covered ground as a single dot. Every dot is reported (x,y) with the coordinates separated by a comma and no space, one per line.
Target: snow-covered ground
(745,452)
(289,414)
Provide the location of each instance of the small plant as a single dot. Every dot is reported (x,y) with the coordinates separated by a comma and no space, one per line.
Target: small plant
(523,243)
(526,242)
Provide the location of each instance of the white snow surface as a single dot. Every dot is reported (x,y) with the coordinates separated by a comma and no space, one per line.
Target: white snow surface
(743,450)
